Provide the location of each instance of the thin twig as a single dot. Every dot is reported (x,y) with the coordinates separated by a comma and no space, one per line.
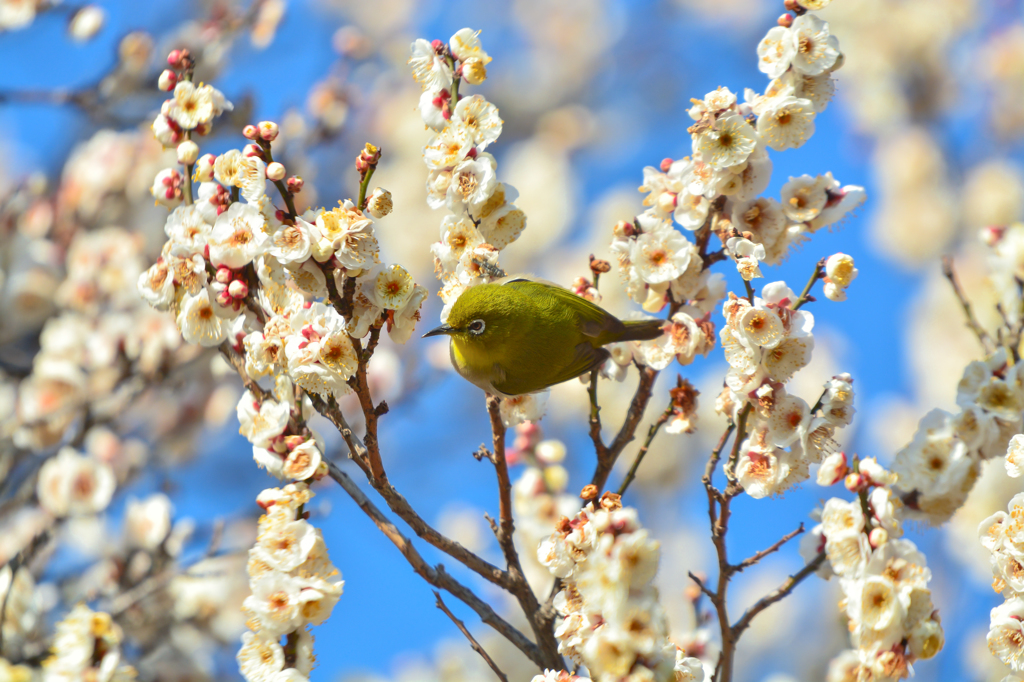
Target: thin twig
(634,416)
(651,433)
(805,295)
(436,576)
(757,556)
(972,323)
(783,590)
(472,641)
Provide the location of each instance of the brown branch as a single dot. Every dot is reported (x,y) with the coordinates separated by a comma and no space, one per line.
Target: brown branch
(237,361)
(805,295)
(651,433)
(628,431)
(600,449)
(436,576)
(472,641)
(783,590)
(518,586)
(972,323)
(757,556)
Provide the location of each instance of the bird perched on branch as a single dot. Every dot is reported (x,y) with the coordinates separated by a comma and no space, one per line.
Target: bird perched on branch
(520,336)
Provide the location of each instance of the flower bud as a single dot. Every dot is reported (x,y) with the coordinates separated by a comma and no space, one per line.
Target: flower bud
(203,128)
(87,22)
(188,152)
(224,298)
(992,235)
(250,132)
(473,71)
(168,79)
(599,266)
(624,229)
(551,451)
(268,130)
(253,150)
(666,164)
(276,171)
(556,477)
(786,20)
(295,184)
(667,202)
(589,492)
(834,293)
(853,482)
(791,5)
(379,203)
(878,537)
(204,168)
(437,45)
(175,58)
(238,289)
(224,274)
(166,188)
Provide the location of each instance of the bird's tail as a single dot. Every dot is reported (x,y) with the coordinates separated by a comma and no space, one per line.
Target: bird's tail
(641,330)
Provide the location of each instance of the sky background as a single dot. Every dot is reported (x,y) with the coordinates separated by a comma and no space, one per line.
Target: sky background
(654,56)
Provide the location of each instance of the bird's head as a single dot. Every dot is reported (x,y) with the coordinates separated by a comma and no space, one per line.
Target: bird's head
(477,318)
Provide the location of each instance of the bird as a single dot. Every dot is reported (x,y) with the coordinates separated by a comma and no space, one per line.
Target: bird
(517,336)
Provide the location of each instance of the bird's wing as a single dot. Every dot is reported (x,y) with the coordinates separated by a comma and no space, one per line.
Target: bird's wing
(593,320)
(586,359)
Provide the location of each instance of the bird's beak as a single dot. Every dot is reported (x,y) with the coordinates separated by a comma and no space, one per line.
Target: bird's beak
(443,329)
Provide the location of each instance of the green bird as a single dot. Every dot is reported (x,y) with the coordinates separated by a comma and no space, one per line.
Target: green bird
(521,336)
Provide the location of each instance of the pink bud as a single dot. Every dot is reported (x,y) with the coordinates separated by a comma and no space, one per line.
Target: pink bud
(472,153)
(275,171)
(250,132)
(168,79)
(992,234)
(854,482)
(224,298)
(361,164)
(268,130)
(174,57)
(437,45)
(204,168)
(203,128)
(253,150)
(666,163)
(238,289)
(188,152)
(224,274)
(295,184)
(786,20)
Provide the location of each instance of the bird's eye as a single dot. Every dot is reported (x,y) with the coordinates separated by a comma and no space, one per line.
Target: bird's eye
(477,327)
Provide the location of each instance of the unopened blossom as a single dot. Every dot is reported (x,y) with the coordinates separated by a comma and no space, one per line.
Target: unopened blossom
(833,469)
(166,188)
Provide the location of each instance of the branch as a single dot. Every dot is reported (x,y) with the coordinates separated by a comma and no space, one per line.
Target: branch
(805,295)
(595,420)
(754,558)
(972,323)
(472,642)
(629,426)
(651,433)
(783,590)
(436,576)
(518,585)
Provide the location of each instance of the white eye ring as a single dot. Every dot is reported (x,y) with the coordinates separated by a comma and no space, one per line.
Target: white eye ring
(477,327)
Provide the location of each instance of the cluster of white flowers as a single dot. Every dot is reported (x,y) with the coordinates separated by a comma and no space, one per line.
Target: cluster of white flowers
(892,620)
(612,620)
(463,178)
(284,449)
(766,342)
(1002,534)
(938,468)
(87,646)
(294,585)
